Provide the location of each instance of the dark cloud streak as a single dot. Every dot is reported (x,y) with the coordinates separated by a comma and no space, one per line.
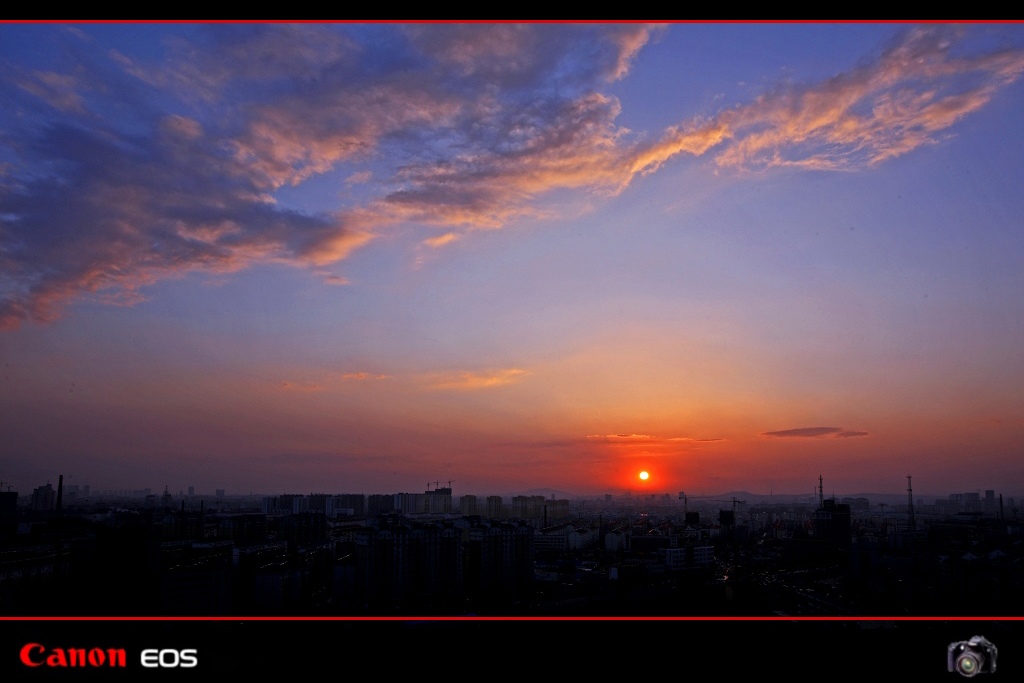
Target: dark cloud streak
(814,432)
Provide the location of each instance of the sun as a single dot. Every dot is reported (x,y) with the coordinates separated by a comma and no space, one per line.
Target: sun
(644,475)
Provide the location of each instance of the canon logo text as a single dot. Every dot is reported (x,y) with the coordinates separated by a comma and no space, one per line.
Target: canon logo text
(35,654)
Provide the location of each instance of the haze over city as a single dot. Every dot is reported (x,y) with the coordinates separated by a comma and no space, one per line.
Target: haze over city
(364,257)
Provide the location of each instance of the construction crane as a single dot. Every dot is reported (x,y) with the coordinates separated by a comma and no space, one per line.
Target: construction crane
(734,502)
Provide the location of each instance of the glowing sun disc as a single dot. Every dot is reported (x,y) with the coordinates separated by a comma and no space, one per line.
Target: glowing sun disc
(644,476)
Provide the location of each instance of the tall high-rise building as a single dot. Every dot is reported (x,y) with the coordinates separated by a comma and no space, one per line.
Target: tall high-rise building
(379,504)
(411,503)
(467,505)
(989,506)
(44,498)
(347,505)
(438,501)
(832,523)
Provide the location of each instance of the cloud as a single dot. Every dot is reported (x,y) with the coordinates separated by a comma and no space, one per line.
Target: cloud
(467,127)
(630,39)
(330,381)
(441,240)
(508,157)
(336,280)
(363,376)
(814,432)
(124,214)
(60,91)
(239,60)
(520,55)
(876,111)
(474,380)
(685,438)
(360,177)
(647,439)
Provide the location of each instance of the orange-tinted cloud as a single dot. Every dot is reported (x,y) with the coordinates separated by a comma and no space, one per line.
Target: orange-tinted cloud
(477,380)
(879,110)
(441,240)
(363,376)
(471,129)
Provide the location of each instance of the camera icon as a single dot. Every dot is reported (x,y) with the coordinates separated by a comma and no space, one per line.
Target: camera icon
(971,657)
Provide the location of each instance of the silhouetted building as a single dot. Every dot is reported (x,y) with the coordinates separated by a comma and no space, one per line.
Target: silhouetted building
(498,561)
(438,501)
(8,513)
(379,504)
(303,529)
(44,498)
(467,505)
(989,506)
(832,523)
(317,502)
(411,503)
(347,505)
(406,565)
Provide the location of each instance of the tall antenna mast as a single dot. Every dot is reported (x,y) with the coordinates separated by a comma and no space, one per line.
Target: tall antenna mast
(821,493)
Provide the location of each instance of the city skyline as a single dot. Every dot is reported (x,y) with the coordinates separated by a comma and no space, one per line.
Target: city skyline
(86,491)
(360,257)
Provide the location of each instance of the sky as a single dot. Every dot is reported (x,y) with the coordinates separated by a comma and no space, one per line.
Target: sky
(364,257)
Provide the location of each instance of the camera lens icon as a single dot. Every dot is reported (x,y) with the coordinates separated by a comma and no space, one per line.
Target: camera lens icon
(968,664)
(972,657)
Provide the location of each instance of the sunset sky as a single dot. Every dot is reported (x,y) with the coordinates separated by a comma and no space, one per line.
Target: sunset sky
(361,257)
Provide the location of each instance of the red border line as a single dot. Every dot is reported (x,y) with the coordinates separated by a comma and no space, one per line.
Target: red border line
(518,618)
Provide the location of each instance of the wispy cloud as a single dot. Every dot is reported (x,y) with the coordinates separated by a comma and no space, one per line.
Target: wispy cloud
(337,280)
(60,91)
(360,177)
(441,240)
(879,110)
(326,381)
(647,439)
(467,126)
(476,380)
(814,432)
(363,376)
